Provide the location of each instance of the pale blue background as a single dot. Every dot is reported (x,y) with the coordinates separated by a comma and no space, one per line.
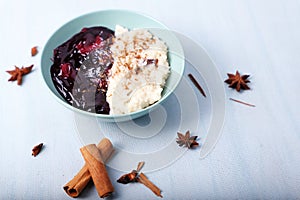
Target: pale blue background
(257,156)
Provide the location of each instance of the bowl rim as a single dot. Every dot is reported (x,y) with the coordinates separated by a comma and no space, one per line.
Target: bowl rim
(114,116)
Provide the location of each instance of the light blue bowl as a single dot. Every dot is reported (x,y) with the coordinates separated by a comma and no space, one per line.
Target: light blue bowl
(109,18)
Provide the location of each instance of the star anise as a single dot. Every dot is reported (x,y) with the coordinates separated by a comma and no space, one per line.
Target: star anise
(237,81)
(187,140)
(17,73)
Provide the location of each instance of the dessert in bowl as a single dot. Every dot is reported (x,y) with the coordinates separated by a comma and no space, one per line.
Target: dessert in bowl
(115,65)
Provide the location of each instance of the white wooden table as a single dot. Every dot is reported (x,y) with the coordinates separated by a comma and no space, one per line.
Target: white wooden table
(258,154)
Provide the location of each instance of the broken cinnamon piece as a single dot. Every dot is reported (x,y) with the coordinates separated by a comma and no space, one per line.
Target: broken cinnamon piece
(96,167)
(128,178)
(37,149)
(238,101)
(195,82)
(34,51)
(142,178)
(140,166)
(74,187)
(134,176)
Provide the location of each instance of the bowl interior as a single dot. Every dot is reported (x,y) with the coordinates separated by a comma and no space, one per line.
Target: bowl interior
(110,18)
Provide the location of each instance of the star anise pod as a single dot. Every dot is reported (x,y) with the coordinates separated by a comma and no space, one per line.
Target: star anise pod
(237,81)
(187,140)
(17,73)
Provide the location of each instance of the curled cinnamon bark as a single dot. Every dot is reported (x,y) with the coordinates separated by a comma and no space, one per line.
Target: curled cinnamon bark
(97,170)
(74,187)
(142,178)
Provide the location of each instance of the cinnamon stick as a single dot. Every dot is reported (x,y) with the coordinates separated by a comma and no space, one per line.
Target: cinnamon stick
(96,167)
(74,187)
(242,102)
(195,82)
(142,178)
